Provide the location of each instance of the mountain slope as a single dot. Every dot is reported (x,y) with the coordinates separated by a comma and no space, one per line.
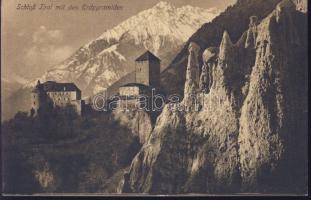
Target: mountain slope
(161,29)
(8,88)
(210,35)
(97,65)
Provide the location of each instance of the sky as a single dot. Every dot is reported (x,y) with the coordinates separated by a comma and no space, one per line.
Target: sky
(32,42)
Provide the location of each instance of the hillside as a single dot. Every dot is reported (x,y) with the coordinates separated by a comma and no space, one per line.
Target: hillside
(62,152)
(234,20)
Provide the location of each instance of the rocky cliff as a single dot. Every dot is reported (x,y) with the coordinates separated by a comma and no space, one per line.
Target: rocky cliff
(242,125)
(138,122)
(301,5)
(210,35)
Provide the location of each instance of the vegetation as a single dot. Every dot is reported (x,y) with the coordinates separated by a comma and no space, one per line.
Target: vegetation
(59,151)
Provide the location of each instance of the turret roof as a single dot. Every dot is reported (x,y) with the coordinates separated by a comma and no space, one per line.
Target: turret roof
(147,56)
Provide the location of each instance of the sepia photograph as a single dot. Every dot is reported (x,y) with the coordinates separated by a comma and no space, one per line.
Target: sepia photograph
(154,97)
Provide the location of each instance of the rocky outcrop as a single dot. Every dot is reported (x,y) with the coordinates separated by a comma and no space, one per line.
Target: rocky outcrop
(242,137)
(252,32)
(192,74)
(235,20)
(138,122)
(209,60)
(301,5)
(268,123)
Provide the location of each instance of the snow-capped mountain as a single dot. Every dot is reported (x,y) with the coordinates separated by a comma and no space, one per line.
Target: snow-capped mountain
(162,29)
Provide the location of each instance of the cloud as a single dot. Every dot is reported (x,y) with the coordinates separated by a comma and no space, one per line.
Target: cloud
(43,35)
(47,55)
(47,49)
(19,79)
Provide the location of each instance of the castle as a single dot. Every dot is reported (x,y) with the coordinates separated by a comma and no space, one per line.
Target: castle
(57,94)
(147,78)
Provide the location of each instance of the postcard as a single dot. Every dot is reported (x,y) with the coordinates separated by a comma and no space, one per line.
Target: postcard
(147,98)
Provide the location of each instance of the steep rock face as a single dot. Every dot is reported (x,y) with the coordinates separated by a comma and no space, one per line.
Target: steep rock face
(301,5)
(275,102)
(192,74)
(191,149)
(159,166)
(252,32)
(210,35)
(242,134)
(138,122)
(209,59)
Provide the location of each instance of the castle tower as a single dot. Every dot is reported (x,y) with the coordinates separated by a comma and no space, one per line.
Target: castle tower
(37,95)
(147,70)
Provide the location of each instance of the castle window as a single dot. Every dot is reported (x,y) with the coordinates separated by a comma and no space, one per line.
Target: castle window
(34,103)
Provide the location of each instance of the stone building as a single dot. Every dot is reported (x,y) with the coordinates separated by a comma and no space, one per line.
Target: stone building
(134,95)
(57,94)
(147,70)
(147,78)
(134,89)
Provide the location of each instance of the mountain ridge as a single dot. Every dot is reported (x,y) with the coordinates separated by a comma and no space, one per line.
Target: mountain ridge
(106,59)
(176,27)
(210,35)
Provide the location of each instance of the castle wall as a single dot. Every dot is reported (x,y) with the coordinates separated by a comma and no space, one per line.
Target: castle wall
(142,72)
(62,98)
(129,91)
(41,97)
(35,101)
(148,73)
(154,74)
